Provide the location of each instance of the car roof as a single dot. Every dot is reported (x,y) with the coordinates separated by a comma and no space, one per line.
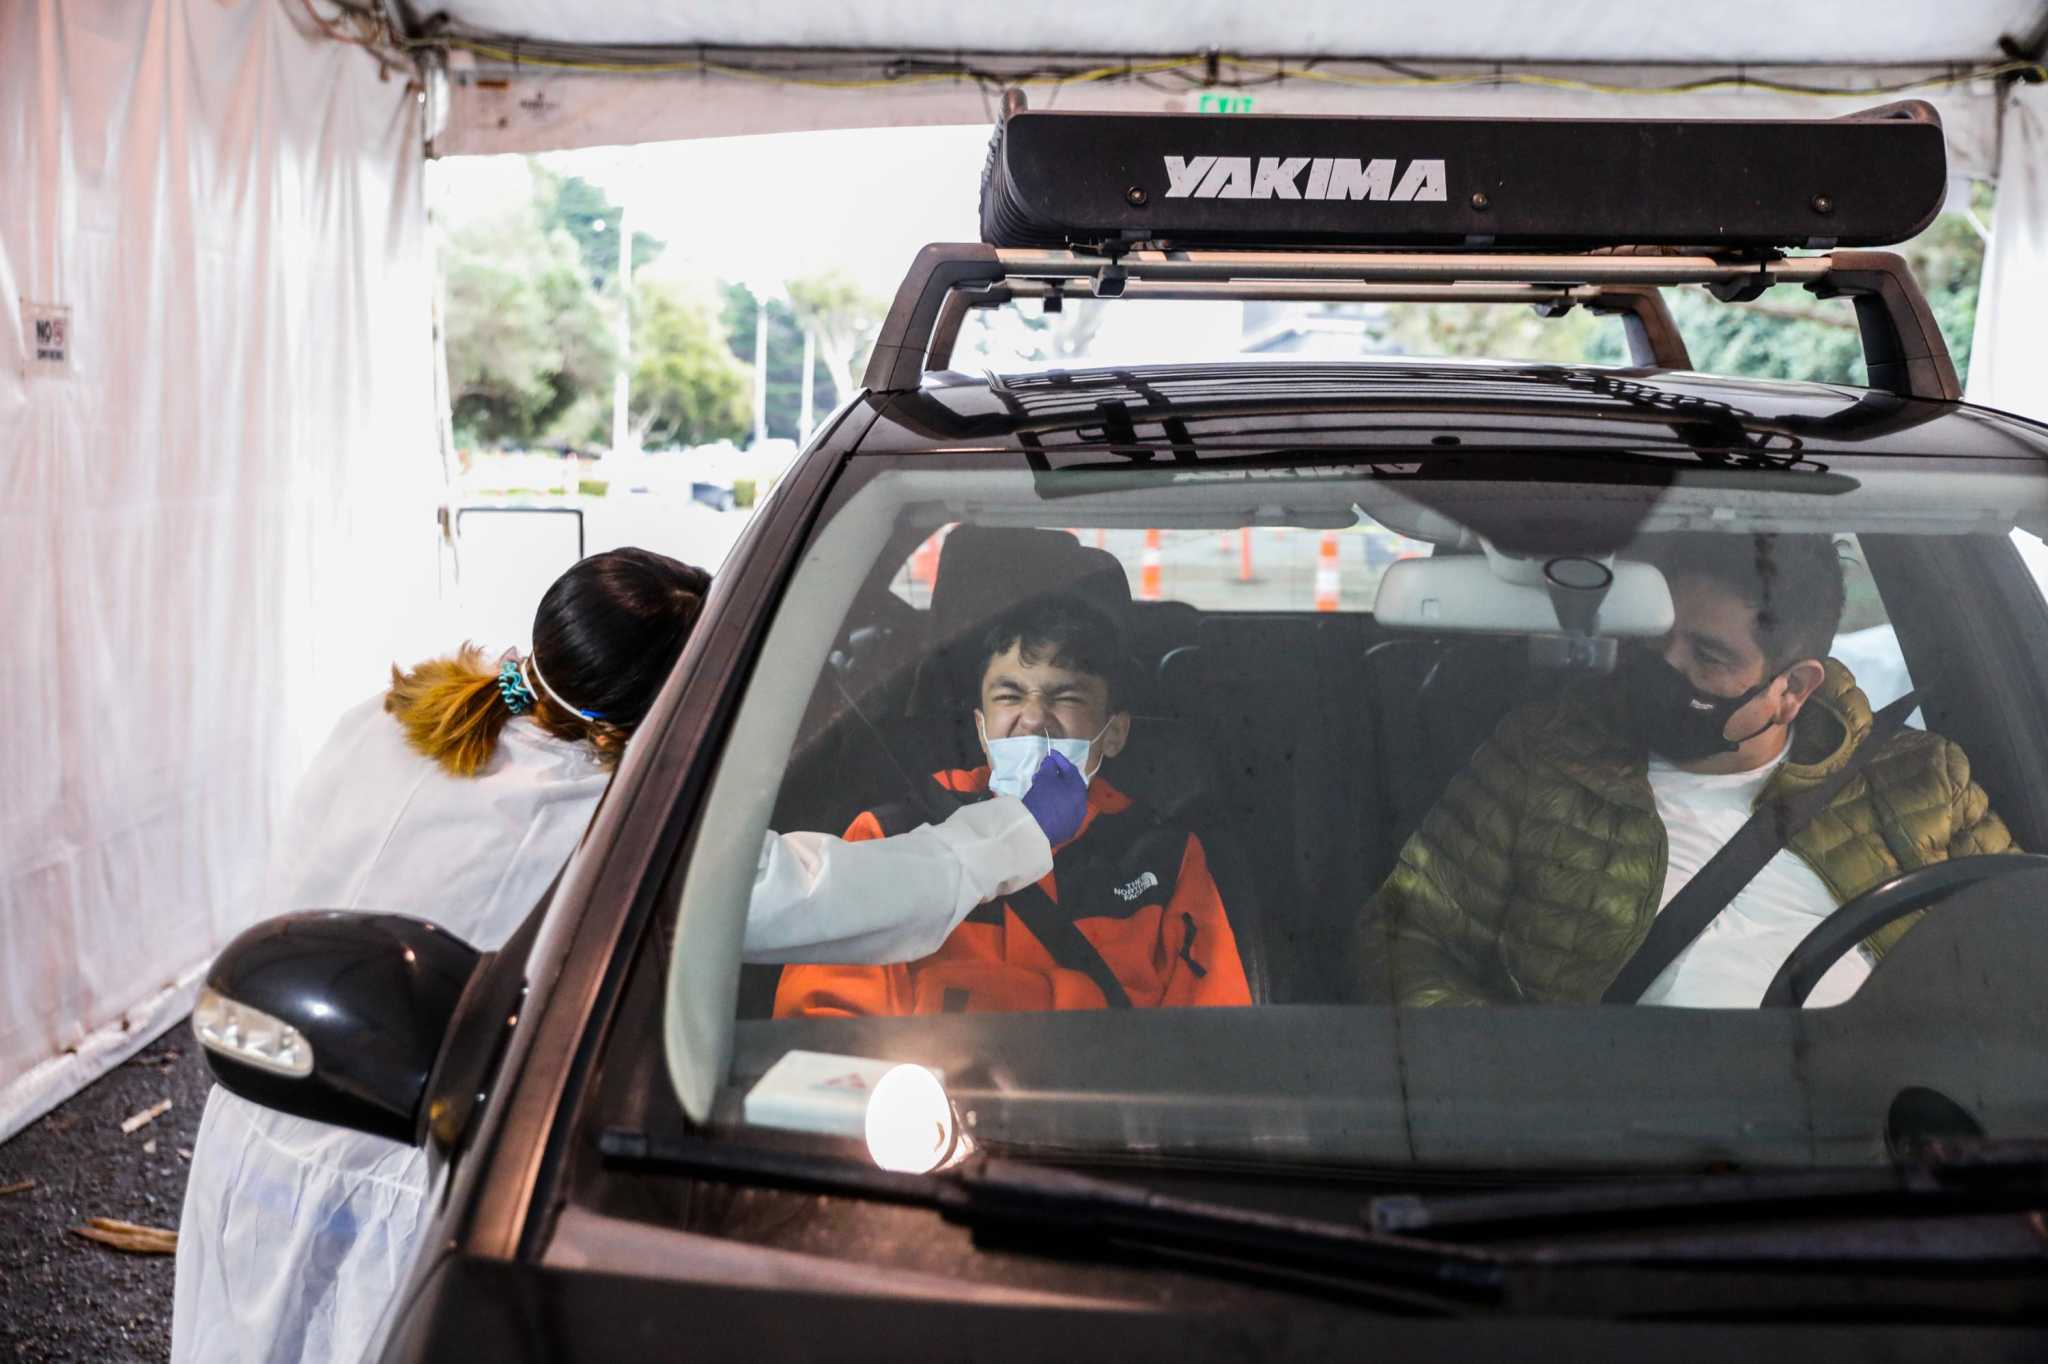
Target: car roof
(1241,406)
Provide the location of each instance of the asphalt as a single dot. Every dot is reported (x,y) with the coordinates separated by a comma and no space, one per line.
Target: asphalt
(62,1297)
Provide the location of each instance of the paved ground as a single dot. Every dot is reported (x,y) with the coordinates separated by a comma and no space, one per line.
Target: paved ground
(63,1298)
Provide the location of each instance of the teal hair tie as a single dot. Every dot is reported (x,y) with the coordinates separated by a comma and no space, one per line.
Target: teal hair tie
(518,697)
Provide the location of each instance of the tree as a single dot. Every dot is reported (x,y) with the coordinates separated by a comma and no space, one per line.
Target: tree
(525,338)
(1503,331)
(584,326)
(1783,335)
(1058,338)
(843,316)
(740,314)
(591,219)
(1948,260)
(687,389)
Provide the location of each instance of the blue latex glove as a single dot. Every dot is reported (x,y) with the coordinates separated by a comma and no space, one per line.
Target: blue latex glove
(1058,799)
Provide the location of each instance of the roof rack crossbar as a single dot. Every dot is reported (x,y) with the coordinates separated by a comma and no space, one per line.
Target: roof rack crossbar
(1903,348)
(1652,334)
(1653,338)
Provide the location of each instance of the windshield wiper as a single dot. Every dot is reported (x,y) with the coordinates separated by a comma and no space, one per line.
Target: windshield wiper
(1957,1175)
(1033,1201)
(1786,1267)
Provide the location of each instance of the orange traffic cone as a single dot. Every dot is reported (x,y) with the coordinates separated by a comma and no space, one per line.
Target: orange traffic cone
(1148,571)
(1327,583)
(924,564)
(1244,554)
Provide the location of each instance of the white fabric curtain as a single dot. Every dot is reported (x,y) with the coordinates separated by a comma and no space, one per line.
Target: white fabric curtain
(2009,350)
(216,509)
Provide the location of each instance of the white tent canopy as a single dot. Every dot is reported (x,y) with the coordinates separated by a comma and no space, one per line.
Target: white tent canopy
(216,363)
(1834,32)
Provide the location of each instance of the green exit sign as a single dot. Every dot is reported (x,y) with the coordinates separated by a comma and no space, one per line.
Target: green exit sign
(1224,104)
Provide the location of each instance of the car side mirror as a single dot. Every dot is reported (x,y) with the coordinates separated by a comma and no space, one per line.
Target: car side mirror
(335,1016)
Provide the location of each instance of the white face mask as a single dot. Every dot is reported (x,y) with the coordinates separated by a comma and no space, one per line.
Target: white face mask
(1014,761)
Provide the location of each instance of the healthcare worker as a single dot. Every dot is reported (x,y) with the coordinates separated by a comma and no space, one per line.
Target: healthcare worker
(457,796)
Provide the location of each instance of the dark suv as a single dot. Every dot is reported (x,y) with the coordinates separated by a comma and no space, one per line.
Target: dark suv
(1332,581)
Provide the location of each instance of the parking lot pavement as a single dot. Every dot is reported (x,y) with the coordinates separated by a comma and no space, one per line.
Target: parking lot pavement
(62,1297)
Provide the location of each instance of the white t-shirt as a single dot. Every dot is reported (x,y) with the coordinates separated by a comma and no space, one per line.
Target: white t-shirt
(1732,961)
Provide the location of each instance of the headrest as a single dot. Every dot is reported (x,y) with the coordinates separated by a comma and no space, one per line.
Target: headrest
(985,572)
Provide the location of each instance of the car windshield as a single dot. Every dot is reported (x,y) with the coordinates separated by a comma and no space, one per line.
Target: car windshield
(1398,744)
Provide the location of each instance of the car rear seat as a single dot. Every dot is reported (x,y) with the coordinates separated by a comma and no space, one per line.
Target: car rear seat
(1335,741)
(1279,701)
(1439,700)
(1441,697)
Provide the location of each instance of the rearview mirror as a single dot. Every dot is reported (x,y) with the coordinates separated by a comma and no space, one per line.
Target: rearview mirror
(1564,595)
(334,1016)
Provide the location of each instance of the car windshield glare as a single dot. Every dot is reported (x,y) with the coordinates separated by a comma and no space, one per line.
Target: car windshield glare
(1394,761)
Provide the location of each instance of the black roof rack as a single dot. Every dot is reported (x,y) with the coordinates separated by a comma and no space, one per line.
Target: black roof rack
(1103,182)
(1903,348)
(1193,396)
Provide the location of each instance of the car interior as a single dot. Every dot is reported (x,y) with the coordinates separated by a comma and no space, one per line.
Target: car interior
(1302,748)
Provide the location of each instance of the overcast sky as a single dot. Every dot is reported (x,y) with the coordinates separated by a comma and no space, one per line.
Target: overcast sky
(768,207)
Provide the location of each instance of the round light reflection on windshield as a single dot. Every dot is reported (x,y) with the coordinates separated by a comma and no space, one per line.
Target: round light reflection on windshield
(909,1121)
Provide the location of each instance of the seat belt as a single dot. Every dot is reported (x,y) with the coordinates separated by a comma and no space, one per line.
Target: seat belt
(1761,838)
(1065,943)
(935,800)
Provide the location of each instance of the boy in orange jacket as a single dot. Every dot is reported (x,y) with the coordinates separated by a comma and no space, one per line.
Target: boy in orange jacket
(1129,916)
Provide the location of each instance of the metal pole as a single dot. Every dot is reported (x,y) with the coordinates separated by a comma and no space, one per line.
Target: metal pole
(809,410)
(760,368)
(622,429)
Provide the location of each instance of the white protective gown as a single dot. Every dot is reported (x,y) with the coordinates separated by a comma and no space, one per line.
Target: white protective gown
(296,1235)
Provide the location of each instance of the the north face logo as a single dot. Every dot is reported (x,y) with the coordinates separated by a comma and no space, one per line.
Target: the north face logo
(1282,177)
(1138,887)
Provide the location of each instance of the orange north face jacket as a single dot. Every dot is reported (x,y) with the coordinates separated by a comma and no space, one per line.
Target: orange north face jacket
(1131,913)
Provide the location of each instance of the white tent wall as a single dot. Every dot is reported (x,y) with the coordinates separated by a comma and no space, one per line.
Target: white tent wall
(210,509)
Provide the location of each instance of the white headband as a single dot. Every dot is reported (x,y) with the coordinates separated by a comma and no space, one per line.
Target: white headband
(530,668)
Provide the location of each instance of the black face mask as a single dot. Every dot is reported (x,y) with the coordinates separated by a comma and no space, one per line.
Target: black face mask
(1681,723)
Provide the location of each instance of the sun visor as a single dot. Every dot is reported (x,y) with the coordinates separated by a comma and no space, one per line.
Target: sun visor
(1059,179)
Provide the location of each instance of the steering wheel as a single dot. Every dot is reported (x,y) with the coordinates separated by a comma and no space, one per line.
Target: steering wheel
(1883,903)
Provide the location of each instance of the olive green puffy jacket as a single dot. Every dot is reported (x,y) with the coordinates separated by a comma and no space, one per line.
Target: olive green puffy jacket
(1538,873)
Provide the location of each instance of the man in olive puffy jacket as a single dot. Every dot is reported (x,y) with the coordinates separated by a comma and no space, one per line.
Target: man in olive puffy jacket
(1538,873)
